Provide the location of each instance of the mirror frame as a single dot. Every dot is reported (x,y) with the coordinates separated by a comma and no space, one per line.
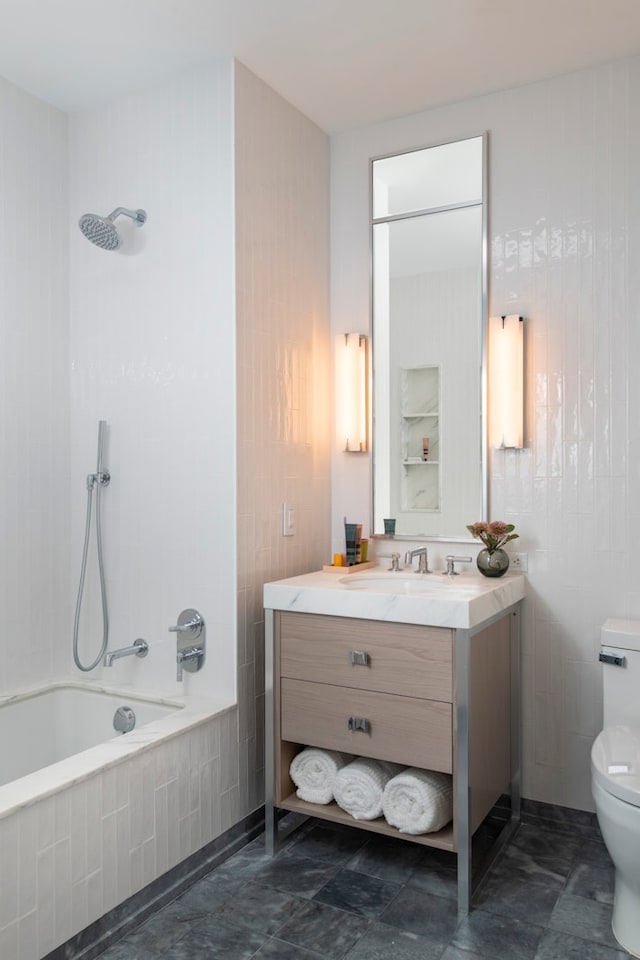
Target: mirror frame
(484,322)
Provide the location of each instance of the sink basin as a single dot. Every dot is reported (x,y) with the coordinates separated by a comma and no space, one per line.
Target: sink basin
(434,585)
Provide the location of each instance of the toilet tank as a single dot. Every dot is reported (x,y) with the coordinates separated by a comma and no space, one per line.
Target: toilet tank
(620,658)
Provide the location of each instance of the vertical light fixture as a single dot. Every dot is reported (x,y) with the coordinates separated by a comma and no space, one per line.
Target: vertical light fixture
(351,392)
(506,381)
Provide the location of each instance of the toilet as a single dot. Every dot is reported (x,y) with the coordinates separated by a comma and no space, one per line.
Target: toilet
(615,773)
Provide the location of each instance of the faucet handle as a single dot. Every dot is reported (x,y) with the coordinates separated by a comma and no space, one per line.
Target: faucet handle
(193,624)
(395,561)
(451,560)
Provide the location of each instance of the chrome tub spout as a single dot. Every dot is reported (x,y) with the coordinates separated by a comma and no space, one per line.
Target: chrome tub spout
(139,649)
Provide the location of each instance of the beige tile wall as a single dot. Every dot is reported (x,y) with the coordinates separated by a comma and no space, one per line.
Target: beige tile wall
(283,374)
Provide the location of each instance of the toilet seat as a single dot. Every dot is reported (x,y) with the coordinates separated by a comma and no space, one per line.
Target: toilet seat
(615,762)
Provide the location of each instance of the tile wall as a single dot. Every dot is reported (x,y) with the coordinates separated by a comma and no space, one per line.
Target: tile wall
(34,385)
(283,374)
(564,241)
(152,352)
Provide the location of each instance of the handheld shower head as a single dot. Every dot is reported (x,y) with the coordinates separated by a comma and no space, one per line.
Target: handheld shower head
(102,230)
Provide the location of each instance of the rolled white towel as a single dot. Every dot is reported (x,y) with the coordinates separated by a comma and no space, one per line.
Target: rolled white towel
(418,801)
(359,786)
(314,772)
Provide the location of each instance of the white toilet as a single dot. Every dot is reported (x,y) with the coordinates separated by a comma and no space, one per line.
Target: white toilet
(615,773)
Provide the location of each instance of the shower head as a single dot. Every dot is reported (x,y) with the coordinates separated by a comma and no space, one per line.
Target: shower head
(102,230)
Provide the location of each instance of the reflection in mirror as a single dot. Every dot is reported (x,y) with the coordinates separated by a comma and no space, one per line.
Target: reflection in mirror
(429,307)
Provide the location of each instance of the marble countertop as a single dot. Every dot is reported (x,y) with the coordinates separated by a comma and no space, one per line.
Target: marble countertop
(465,601)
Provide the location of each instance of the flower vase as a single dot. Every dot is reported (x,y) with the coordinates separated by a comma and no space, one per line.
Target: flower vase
(493,563)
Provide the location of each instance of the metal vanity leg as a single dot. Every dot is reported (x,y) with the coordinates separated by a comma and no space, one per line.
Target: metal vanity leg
(270,819)
(516,721)
(462,798)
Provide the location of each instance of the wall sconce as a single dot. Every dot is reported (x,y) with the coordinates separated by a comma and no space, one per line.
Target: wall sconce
(506,381)
(351,392)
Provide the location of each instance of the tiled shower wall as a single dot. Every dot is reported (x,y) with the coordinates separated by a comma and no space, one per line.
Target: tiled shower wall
(564,228)
(34,385)
(152,353)
(283,374)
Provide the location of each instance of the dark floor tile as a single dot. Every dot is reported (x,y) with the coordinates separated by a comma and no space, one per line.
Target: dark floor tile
(299,876)
(123,950)
(562,946)
(453,953)
(245,863)
(275,949)
(327,843)
(576,822)
(161,930)
(386,858)
(217,938)
(324,929)
(592,881)
(358,893)
(592,851)
(495,936)
(515,863)
(584,918)
(382,942)
(518,898)
(424,914)
(259,907)
(206,896)
(546,844)
(436,878)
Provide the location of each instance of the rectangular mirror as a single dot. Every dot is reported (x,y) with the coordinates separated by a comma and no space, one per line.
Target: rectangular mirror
(429,329)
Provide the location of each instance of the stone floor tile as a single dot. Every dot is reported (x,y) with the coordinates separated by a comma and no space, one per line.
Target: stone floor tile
(383,942)
(297,875)
(325,843)
(594,881)
(492,936)
(424,914)
(257,906)
(562,946)
(583,918)
(324,929)
(386,859)
(358,893)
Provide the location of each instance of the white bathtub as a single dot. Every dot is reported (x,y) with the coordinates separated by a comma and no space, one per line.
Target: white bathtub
(89,816)
(45,726)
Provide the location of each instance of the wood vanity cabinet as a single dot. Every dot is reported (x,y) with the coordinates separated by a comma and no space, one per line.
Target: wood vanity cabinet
(433,697)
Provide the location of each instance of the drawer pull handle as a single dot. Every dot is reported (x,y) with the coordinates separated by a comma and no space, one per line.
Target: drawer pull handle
(359,658)
(359,723)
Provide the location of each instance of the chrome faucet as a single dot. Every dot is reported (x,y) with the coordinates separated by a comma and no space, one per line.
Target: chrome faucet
(421,554)
(191,642)
(395,562)
(139,649)
(450,560)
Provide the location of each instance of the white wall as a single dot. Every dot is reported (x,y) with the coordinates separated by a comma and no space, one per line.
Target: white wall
(34,399)
(152,352)
(564,245)
(283,370)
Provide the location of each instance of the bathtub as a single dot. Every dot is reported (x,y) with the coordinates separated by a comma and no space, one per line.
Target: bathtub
(89,816)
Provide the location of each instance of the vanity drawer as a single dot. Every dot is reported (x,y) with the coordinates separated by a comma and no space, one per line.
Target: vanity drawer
(407,730)
(414,661)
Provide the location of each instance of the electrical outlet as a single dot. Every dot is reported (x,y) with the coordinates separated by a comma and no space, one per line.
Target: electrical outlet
(288,520)
(520,562)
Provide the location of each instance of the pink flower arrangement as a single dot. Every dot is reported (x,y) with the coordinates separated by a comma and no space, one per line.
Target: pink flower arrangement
(494,535)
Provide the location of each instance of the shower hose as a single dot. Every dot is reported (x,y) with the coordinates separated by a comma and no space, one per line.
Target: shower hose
(98,479)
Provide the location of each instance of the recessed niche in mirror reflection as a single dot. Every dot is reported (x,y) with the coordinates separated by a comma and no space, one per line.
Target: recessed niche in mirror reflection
(428,307)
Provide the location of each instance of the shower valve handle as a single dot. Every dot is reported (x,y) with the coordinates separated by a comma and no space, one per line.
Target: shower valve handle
(192,624)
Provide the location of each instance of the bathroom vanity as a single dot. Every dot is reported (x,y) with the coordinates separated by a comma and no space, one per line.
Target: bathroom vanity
(422,670)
